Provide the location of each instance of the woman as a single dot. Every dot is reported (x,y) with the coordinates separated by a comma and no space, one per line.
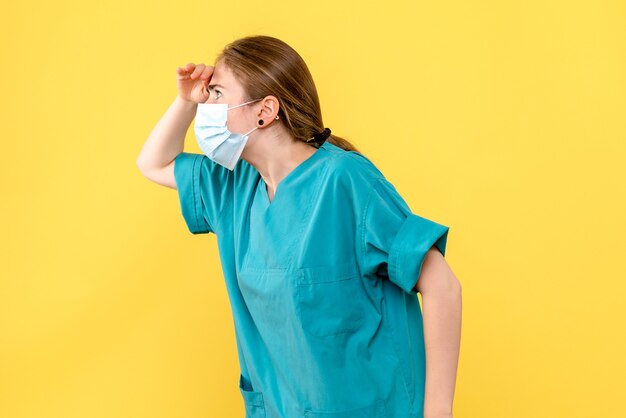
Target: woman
(322,257)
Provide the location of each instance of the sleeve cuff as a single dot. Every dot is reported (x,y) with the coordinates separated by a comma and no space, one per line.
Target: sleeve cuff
(408,250)
(187,171)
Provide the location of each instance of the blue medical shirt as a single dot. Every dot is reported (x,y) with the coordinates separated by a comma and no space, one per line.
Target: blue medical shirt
(320,283)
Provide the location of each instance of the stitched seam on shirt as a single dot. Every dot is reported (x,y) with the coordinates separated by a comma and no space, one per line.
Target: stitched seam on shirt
(193,193)
(394,255)
(225,205)
(219,216)
(364,221)
(200,220)
(374,185)
(373,179)
(210,224)
(394,266)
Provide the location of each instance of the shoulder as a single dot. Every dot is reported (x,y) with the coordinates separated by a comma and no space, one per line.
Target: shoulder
(351,168)
(359,178)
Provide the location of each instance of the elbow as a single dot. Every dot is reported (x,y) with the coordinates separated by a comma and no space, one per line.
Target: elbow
(144,162)
(140,165)
(143,167)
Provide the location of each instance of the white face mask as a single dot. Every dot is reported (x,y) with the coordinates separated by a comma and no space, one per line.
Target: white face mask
(214,138)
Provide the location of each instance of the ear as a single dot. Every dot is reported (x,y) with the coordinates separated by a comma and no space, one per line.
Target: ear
(268,109)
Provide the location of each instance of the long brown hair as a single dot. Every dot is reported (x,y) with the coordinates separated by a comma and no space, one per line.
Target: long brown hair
(265,65)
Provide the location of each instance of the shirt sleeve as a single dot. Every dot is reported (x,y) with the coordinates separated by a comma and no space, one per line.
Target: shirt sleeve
(203,190)
(395,240)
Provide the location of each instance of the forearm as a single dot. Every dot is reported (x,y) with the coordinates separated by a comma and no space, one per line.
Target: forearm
(442,337)
(167,139)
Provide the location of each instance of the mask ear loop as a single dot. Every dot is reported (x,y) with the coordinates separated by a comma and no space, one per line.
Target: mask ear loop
(251,101)
(243,104)
(250,131)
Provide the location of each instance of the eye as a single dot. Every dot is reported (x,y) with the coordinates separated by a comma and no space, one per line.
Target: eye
(217,92)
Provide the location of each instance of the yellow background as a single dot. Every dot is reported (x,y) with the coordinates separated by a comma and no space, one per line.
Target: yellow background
(502,120)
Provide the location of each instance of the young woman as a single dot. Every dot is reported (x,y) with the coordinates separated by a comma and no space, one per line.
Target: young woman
(322,257)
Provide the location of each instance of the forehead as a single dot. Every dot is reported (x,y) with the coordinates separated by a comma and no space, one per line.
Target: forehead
(224,76)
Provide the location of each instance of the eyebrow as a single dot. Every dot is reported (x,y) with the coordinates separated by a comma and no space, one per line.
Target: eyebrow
(211,86)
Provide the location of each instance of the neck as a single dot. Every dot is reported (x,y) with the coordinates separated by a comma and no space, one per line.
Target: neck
(275,155)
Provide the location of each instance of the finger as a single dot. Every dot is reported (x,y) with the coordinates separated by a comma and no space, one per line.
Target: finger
(197,71)
(206,74)
(205,94)
(181,73)
(186,68)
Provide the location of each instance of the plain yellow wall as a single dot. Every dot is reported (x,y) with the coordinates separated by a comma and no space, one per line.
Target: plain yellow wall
(503,120)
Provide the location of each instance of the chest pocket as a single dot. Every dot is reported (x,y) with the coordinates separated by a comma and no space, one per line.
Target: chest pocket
(330,300)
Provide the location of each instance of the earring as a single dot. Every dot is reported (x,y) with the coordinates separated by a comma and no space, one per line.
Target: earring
(261,121)
(277,117)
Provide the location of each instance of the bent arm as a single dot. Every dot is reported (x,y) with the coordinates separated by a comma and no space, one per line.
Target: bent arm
(165,142)
(441,299)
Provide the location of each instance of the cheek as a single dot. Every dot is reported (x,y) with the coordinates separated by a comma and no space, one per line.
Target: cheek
(233,124)
(240,123)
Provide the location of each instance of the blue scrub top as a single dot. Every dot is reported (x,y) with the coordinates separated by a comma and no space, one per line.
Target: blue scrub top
(320,283)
